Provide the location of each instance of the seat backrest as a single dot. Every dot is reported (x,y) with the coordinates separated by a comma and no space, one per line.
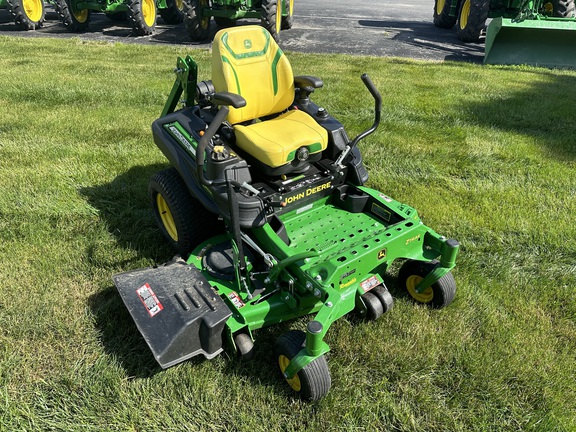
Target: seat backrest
(246,60)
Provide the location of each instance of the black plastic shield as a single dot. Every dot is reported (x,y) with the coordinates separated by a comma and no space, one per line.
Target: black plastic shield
(175,310)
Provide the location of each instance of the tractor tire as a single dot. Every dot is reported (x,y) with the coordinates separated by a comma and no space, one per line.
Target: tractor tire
(472,16)
(142,16)
(197,27)
(28,14)
(224,22)
(173,14)
(117,16)
(288,19)
(564,8)
(442,17)
(271,18)
(313,381)
(439,295)
(74,20)
(183,221)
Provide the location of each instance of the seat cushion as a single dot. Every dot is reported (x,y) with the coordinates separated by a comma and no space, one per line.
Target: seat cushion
(274,142)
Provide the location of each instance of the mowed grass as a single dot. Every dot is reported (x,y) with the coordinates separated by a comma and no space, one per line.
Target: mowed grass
(486,154)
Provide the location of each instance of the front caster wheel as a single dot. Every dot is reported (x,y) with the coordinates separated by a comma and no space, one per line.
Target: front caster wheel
(439,295)
(313,381)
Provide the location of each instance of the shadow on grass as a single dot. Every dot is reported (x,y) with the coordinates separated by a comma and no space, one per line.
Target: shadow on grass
(125,207)
(542,110)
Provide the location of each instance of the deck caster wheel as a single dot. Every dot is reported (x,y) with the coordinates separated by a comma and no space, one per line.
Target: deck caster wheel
(374,307)
(439,295)
(244,346)
(313,381)
(385,297)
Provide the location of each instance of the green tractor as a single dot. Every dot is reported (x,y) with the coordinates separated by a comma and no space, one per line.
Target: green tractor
(266,204)
(142,14)
(534,32)
(28,14)
(274,15)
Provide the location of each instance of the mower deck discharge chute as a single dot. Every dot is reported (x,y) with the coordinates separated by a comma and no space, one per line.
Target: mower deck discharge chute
(266,201)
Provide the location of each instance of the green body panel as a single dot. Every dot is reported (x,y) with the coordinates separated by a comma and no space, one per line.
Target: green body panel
(324,273)
(545,42)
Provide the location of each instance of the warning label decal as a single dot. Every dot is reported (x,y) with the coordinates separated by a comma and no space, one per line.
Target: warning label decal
(149,299)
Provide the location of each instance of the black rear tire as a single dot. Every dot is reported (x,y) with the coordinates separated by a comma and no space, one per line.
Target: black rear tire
(29,16)
(442,17)
(564,8)
(197,27)
(183,221)
(288,19)
(142,15)
(271,18)
(439,295)
(313,381)
(472,16)
(173,14)
(74,20)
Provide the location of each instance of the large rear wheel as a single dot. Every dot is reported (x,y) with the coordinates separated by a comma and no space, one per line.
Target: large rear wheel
(142,16)
(197,24)
(472,18)
(313,381)
(287,15)
(73,18)
(271,18)
(183,221)
(173,14)
(28,14)
(442,17)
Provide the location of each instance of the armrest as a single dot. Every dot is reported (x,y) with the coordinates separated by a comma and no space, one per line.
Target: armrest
(302,81)
(228,99)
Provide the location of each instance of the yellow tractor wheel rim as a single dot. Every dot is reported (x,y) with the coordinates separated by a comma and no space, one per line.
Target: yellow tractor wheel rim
(278,23)
(291,11)
(81,15)
(423,297)
(293,382)
(166,217)
(464,13)
(180,5)
(33,9)
(440,6)
(149,12)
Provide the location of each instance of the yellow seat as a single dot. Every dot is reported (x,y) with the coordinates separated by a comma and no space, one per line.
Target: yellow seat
(247,61)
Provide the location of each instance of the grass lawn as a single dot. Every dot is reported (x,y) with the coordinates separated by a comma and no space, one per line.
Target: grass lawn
(486,154)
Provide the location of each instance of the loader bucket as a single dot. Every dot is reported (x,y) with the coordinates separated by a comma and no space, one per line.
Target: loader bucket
(545,42)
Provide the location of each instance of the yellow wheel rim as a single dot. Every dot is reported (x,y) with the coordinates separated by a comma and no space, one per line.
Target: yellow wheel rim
(278,23)
(423,297)
(81,15)
(180,5)
(149,12)
(549,8)
(293,382)
(440,6)
(291,11)
(33,9)
(464,13)
(166,217)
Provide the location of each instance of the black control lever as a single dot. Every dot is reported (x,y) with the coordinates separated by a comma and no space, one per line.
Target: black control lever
(377,110)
